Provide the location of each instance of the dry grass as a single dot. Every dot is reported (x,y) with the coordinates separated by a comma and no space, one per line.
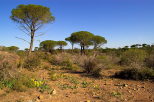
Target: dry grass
(8,65)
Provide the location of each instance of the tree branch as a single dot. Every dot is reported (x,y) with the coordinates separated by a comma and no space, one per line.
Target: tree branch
(39,35)
(23,40)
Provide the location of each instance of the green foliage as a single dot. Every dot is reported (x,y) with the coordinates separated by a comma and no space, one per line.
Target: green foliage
(48,45)
(71,40)
(136,74)
(22,83)
(35,14)
(61,44)
(86,39)
(85,84)
(108,60)
(116,94)
(135,46)
(45,88)
(31,18)
(19,84)
(1,85)
(21,53)
(82,37)
(8,83)
(133,57)
(13,48)
(98,41)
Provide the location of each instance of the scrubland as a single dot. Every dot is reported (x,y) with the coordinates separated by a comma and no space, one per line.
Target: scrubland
(103,75)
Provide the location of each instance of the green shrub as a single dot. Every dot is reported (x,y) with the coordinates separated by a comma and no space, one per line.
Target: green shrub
(45,88)
(21,53)
(116,94)
(21,83)
(85,84)
(136,74)
(133,57)
(1,85)
(108,60)
(32,63)
(8,83)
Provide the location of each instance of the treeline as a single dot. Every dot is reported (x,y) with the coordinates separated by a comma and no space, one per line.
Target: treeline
(32,17)
(51,46)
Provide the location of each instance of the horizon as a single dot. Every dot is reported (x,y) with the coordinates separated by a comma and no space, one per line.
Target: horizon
(120,22)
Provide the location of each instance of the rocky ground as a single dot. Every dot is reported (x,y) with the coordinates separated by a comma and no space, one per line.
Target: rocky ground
(78,87)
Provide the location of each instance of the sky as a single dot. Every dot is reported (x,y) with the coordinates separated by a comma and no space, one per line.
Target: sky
(121,22)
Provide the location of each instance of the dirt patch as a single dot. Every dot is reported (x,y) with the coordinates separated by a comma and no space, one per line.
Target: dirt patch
(75,87)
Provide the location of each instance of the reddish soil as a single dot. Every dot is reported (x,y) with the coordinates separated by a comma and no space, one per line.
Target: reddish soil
(77,87)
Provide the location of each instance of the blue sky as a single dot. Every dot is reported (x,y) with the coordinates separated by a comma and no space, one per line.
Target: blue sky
(121,22)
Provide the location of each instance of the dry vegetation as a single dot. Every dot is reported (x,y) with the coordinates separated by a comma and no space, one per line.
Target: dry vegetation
(122,76)
(51,73)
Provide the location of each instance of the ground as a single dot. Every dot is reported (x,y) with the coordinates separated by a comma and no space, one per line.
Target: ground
(78,87)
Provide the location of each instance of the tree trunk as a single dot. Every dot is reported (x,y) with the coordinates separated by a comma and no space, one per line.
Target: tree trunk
(31,42)
(61,48)
(72,46)
(81,50)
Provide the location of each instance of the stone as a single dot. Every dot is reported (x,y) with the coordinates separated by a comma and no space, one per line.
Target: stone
(40,97)
(125,85)
(129,91)
(134,89)
(54,92)
(142,87)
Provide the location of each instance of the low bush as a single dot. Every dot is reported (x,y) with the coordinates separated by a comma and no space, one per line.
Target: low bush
(64,60)
(22,83)
(8,65)
(108,60)
(32,63)
(21,53)
(134,58)
(150,61)
(43,55)
(136,74)
(92,65)
(1,85)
